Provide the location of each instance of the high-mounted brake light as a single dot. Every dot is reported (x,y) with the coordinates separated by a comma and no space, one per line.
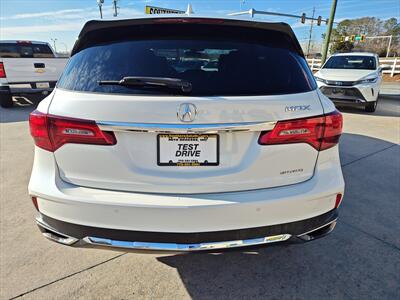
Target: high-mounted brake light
(189,21)
(24,42)
(2,71)
(51,132)
(321,132)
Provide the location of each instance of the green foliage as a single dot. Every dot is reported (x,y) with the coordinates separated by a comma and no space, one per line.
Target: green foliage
(370,26)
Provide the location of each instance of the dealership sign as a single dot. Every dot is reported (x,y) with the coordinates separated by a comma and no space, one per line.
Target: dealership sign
(152,10)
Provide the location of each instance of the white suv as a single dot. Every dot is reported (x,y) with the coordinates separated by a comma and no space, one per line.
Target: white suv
(143,146)
(351,79)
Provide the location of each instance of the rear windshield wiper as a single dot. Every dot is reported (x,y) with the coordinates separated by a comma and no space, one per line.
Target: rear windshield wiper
(140,81)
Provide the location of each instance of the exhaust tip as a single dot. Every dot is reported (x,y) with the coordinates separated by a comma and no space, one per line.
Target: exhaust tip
(318,232)
(54,235)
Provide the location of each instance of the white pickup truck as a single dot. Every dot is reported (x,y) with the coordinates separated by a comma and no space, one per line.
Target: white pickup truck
(27,67)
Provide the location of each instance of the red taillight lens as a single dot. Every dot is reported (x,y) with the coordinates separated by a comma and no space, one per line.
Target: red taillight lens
(320,132)
(333,130)
(51,132)
(35,202)
(2,71)
(338,200)
(39,130)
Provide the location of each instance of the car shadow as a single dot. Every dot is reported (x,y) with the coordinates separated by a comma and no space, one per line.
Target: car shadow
(345,264)
(390,109)
(23,106)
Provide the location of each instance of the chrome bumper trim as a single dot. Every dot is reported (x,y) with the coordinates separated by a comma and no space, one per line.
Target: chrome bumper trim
(185,247)
(312,234)
(186,128)
(54,235)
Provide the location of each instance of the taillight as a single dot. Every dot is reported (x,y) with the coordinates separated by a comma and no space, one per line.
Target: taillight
(2,71)
(321,132)
(51,132)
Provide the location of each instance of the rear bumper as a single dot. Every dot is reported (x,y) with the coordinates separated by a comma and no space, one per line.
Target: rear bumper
(22,88)
(351,95)
(81,236)
(115,218)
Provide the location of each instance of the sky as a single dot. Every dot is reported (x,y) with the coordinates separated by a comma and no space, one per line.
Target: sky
(62,20)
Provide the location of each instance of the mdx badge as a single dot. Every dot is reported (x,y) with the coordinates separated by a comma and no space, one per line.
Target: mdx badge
(187,112)
(297,108)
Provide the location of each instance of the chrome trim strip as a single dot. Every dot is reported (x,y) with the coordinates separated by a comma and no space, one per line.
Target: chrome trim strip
(185,247)
(307,237)
(57,236)
(315,229)
(185,128)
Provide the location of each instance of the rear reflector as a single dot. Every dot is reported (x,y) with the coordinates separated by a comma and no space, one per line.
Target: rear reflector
(51,132)
(321,132)
(35,203)
(2,71)
(338,200)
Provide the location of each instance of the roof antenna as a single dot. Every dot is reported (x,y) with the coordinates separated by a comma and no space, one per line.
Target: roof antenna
(189,10)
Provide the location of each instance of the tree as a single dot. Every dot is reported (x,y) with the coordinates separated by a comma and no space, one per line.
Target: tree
(370,26)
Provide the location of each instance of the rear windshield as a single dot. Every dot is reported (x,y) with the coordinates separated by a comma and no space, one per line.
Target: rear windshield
(351,62)
(25,50)
(215,63)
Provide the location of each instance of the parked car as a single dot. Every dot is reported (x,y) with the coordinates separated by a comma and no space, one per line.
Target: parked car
(351,79)
(27,67)
(134,151)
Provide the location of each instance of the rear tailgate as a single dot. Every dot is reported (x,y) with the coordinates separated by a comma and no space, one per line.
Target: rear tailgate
(131,164)
(25,70)
(241,72)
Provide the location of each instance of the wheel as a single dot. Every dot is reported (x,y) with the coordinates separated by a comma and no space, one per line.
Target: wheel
(371,106)
(6,100)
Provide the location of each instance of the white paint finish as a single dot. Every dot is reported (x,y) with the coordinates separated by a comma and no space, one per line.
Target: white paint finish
(185,213)
(23,70)
(163,109)
(131,164)
(345,74)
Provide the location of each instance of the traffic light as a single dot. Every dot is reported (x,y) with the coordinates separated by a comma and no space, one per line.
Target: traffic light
(362,40)
(352,38)
(303,18)
(319,20)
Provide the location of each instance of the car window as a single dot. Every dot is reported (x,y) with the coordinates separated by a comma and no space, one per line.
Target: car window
(351,62)
(25,50)
(213,65)
(9,50)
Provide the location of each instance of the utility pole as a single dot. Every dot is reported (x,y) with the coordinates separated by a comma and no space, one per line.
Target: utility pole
(100,4)
(311,28)
(115,8)
(328,31)
(54,44)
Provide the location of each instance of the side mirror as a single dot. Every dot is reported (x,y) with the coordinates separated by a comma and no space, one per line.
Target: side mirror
(384,67)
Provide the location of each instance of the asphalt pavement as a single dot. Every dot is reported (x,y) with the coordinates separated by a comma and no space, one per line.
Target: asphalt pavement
(359,259)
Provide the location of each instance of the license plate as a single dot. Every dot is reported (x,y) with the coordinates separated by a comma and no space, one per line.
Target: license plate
(42,85)
(188,150)
(338,91)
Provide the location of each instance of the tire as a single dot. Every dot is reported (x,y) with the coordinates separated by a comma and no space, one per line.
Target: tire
(371,106)
(6,100)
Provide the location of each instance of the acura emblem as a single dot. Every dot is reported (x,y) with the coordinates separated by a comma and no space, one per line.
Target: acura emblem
(187,112)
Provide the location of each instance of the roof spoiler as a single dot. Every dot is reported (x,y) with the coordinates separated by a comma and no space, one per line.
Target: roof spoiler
(94,25)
